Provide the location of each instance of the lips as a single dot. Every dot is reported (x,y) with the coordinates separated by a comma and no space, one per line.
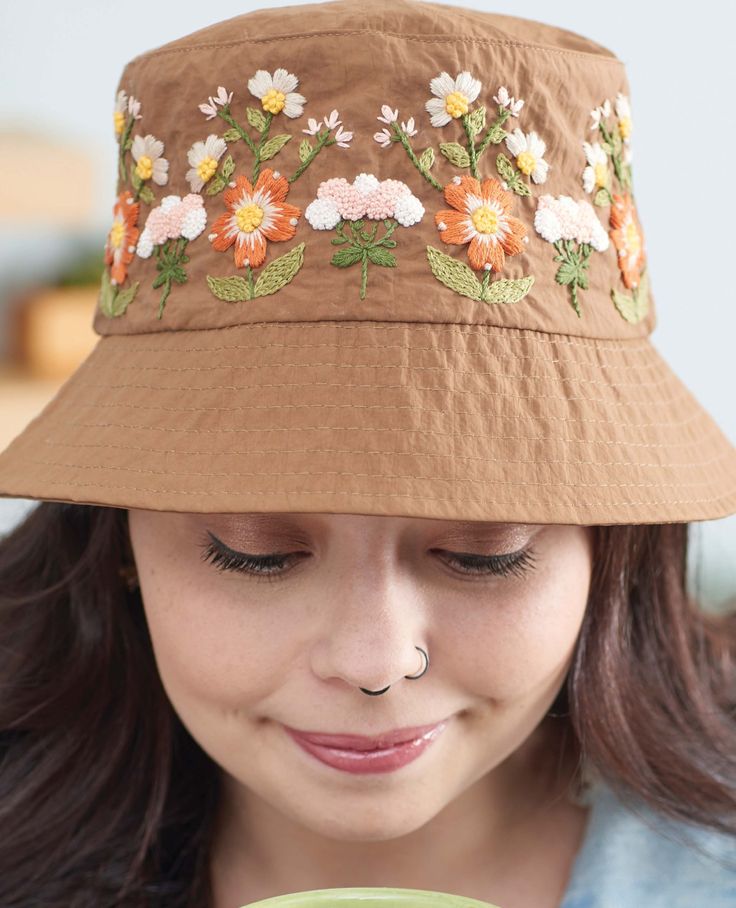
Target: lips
(361,742)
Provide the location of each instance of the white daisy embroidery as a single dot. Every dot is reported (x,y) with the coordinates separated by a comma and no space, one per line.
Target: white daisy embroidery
(203,156)
(595,175)
(623,112)
(452,98)
(277,92)
(147,153)
(528,150)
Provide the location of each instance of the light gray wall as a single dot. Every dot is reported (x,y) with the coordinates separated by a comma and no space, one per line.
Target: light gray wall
(60,63)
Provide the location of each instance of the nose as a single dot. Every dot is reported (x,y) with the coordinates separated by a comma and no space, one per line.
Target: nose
(369,638)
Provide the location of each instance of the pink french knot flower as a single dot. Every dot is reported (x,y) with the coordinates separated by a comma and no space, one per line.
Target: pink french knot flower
(564,218)
(222,98)
(173,218)
(366,196)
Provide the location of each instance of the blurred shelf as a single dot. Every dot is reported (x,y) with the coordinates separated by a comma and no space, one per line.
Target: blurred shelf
(21,399)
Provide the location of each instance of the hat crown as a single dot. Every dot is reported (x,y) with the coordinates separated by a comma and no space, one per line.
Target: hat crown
(395,161)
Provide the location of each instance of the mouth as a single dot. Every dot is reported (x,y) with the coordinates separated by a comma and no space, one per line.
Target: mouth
(366,743)
(369,759)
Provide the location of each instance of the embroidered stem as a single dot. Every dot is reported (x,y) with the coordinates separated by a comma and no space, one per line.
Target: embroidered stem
(224,112)
(615,157)
(322,142)
(573,270)
(169,265)
(494,131)
(472,153)
(404,139)
(484,284)
(249,275)
(264,136)
(123,142)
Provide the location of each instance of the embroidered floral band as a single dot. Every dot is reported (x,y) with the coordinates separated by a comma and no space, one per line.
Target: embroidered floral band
(475,197)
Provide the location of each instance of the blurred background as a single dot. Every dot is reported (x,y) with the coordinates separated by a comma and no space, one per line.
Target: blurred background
(59,69)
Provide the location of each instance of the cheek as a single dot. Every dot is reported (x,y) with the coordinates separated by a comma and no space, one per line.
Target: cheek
(521,640)
(215,648)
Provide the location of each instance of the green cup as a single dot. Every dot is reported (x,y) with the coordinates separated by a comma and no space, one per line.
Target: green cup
(369,897)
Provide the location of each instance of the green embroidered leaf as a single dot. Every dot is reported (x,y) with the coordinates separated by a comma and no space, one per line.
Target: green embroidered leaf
(381,256)
(128,143)
(305,149)
(345,257)
(231,135)
(178,274)
(426,159)
(216,184)
(518,186)
(453,273)
(497,133)
(477,121)
(256,118)
(455,154)
(279,272)
(505,168)
(567,273)
(135,180)
(273,146)
(508,291)
(228,167)
(230,289)
(633,308)
(123,299)
(601,197)
(107,294)
(582,280)
(146,195)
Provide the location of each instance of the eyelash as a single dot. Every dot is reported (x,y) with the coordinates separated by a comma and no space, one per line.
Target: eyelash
(259,566)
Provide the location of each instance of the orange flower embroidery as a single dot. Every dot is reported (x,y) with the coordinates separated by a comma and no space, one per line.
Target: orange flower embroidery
(481,216)
(628,239)
(254,216)
(122,238)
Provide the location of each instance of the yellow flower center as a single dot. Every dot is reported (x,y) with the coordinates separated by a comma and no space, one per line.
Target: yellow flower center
(119,122)
(633,240)
(601,174)
(144,167)
(624,126)
(456,104)
(485,219)
(526,162)
(205,168)
(249,217)
(273,100)
(117,234)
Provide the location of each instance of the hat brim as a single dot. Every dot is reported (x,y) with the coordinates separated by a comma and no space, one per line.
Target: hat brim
(450,421)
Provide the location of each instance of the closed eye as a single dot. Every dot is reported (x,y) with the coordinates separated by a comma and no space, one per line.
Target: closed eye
(272,566)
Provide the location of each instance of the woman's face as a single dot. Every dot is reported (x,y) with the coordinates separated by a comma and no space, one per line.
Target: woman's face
(240,655)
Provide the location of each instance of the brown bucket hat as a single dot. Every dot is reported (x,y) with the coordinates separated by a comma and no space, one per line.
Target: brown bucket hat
(379,258)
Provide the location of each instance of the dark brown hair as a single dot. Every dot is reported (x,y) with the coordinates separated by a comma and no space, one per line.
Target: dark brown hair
(106,799)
